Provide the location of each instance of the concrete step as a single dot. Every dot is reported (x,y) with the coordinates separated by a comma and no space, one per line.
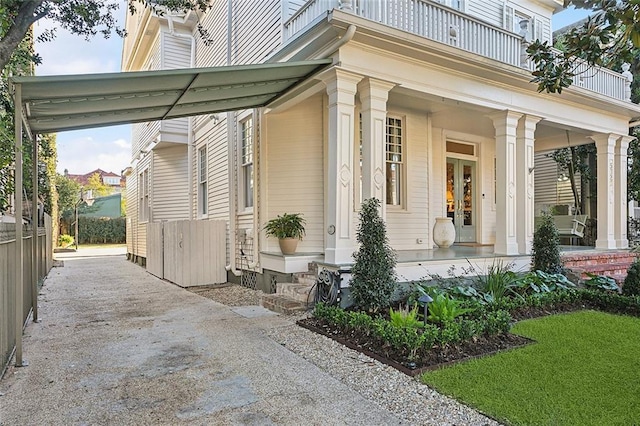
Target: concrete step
(282,304)
(296,291)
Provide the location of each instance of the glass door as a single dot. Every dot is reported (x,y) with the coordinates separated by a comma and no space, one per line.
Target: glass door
(461,200)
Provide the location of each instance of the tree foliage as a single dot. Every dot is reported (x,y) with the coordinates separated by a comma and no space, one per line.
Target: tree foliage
(98,187)
(373,274)
(609,37)
(85,18)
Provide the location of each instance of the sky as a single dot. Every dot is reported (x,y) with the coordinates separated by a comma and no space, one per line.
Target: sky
(109,148)
(82,151)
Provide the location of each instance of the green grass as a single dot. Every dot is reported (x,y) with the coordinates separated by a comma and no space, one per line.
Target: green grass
(583,370)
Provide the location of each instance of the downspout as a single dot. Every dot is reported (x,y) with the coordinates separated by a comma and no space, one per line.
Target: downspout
(190,138)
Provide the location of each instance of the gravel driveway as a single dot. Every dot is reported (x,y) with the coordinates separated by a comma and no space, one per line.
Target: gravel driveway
(119,346)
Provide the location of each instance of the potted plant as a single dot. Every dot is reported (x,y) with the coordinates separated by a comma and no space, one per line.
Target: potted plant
(288,229)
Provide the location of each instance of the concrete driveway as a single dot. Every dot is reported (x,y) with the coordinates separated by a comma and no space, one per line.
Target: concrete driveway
(119,346)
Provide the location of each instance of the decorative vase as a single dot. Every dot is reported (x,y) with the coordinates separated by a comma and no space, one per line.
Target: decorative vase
(288,245)
(444,233)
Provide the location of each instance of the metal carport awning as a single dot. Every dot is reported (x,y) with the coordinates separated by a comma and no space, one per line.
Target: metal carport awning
(57,103)
(71,102)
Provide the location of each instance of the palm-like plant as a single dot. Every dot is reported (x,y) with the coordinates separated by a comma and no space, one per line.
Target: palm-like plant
(286,226)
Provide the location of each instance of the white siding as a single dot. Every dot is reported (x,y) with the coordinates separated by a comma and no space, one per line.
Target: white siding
(215,21)
(169,185)
(294,166)
(132,210)
(548,190)
(488,11)
(255,21)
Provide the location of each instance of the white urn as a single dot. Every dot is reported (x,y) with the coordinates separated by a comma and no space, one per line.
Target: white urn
(444,233)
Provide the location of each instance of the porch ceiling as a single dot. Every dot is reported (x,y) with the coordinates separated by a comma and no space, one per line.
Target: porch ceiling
(59,103)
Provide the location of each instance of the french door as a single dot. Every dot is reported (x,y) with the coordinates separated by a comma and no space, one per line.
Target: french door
(461,198)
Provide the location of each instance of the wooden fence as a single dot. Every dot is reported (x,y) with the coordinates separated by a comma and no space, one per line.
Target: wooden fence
(9,286)
(188,252)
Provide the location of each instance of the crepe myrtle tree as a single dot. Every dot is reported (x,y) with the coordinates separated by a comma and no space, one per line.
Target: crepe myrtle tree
(85,18)
(609,37)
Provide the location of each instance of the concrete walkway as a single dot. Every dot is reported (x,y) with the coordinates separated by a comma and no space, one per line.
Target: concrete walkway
(119,346)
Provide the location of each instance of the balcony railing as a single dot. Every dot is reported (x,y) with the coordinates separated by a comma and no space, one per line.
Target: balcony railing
(449,26)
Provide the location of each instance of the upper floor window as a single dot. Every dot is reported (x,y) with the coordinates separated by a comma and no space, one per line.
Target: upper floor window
(455,4)
(394,156)
(203,195)
(246,162)
(143,196)
(517,20)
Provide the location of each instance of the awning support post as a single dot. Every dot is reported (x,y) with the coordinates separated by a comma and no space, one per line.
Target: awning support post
(19,285)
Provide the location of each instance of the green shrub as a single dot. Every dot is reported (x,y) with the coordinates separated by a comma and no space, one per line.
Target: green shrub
(372,276)
(497,283)
(98,230)
(498,322)
(65,240)
(444,309)
(631,286)
(601,282)
(546,247)
(405,317)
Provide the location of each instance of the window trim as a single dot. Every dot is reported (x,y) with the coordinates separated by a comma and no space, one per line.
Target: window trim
(144,208)
(243,206)
(203,184)
(403,162)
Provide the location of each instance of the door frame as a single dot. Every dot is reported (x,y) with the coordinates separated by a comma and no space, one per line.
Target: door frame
(475,158)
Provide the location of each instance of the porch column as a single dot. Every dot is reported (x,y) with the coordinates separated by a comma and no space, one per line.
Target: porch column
(506,123)
(620,201)
(340,239)
(605,150)
(525,136)
(374,95)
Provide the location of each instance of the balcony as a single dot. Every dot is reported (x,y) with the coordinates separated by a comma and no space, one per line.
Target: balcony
(443,24)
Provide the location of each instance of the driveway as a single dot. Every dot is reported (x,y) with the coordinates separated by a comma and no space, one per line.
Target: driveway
(119,346)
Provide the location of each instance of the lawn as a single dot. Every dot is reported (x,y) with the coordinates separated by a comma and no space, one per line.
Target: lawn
(583,370)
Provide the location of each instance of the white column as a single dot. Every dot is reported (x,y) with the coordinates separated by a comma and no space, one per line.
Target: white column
(605,148)
(525,136)
(620,200)
(506,123)
(374,95)
(340,240)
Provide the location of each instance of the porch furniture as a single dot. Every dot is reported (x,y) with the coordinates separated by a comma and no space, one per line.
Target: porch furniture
(568,225)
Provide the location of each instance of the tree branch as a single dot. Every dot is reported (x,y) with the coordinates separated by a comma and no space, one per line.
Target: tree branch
(25,17)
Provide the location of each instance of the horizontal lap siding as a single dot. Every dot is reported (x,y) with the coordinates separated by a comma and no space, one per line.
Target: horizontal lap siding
(548,191)
(215,22)
(256,31)
(489,11)
(132,210)
(169,185)
(294,169)
(405,226)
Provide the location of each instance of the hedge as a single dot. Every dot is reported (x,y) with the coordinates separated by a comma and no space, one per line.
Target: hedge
(96,230)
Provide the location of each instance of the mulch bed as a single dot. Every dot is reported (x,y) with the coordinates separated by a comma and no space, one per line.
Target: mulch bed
(438,357)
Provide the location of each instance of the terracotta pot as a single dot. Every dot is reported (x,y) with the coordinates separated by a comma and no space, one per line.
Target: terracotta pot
(288,245)
(444,233)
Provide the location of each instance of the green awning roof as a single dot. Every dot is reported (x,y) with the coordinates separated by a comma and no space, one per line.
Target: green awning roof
(59,103)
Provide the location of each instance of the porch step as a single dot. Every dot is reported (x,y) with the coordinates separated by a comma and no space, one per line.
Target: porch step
(283,304)
(613,264)
(300,292)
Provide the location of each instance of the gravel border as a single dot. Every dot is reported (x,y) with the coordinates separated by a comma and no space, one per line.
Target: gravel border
(402,395)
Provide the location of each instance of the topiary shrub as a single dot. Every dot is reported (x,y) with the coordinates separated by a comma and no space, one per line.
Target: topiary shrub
(546,247)
(631,286)
(373,276)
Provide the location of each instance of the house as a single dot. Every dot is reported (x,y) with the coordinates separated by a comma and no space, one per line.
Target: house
(425,105)
(107,178)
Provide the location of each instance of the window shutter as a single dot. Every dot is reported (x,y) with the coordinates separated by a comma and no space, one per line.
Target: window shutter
(538,30)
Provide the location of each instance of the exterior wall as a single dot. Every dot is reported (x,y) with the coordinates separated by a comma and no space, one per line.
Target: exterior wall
(295,171)
(169,189)
(252,21)
(548,190)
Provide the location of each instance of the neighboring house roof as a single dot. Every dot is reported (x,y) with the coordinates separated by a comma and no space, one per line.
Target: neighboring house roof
(84,179)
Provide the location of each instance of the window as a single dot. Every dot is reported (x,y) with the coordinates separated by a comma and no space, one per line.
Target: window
(394,162)
(513,18)
(246,162)
(203,195)
(143,194)
(455,4)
